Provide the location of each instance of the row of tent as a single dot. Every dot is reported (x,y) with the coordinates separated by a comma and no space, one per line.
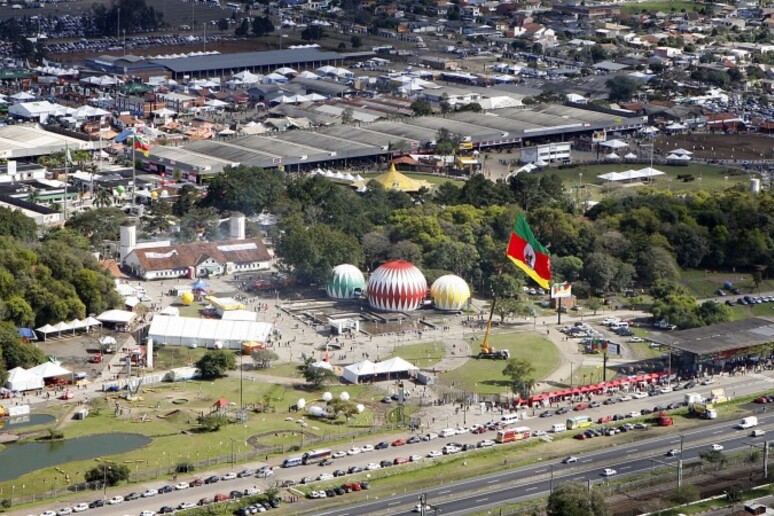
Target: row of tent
(73,326)
(338,175)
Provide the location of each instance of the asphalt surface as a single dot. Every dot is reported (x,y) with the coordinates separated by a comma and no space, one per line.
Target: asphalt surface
(652,443)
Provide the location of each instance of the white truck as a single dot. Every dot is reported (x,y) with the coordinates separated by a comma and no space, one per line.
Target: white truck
(748,422)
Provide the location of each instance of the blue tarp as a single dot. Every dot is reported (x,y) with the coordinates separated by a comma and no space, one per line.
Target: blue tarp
(27,333)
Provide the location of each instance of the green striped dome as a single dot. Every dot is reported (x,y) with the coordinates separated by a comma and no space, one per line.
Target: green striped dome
(344,280)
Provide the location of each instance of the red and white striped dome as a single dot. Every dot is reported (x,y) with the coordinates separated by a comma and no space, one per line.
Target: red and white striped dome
(397,286)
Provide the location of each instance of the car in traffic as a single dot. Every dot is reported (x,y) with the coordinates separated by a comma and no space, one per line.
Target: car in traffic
(229,476)
(326,462)
(430,436)
(338,454)
(186,505)
(609,472)
(245,473)
(415,458)
(415,439)
(354,451)
(486,443)
(149,493)
(132,496)
(434,453)
(399,442)
(717,447)
(80,507)
(382,445)
(116,500)
(182,485)
(570,460)
(673,452)
(367,448)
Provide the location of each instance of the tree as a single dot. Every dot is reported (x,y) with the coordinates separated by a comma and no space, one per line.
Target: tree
(313,33)
(262,26)
(264,357)
(621,88)
(15,353)
(103,197)
(521,372)
(215,363)
(594,303)
(223,24)
(247,189)
(212,422)
(346,408)
(573,499)
(315,376)
(714,457)
(356,41)
(110,473)
(421,107)
(510,307)
(243,29)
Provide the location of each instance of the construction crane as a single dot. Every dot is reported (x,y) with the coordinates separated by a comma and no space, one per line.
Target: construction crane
(487,351)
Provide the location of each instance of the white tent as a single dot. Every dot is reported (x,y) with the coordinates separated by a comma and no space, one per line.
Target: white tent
(614,144)
(675,127)
(612,155)
(678,157)
(649,130)
(116,317)
(285,71)
(682,152)
(49,370)
(23,95)
(322,364)
(20,379)
(306,74)
(631,175)
(185,331)
(170,311)
(388,369)
(630,155)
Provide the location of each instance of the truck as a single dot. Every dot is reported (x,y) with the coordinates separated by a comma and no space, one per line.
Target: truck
(747,422)
(703,410)
(487,351)
(693,397)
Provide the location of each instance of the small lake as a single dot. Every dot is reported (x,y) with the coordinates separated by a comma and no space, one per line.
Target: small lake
(12,424)
(18,459)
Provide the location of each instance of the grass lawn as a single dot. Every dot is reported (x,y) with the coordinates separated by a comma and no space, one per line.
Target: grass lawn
(423,355)
(708,178)
(591,374)
(664,6)
(287,369)
(704,283)
(486,376)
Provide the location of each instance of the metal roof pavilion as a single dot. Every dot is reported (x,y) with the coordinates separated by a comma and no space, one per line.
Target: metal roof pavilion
(718,338)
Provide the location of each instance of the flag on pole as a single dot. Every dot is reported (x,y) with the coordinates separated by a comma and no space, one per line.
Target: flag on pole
(528,254)
(142,144)
(68,156)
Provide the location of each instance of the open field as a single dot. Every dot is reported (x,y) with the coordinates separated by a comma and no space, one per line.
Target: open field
(665,6)
(422,355)
(741,146)
(486,376)
(704,283)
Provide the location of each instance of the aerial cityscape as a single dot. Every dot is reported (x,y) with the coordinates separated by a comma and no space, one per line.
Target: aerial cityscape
(377,257)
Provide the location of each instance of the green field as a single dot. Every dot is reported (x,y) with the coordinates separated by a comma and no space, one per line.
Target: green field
(423,355)
(707,177)
(705,283)
(664,6)
(486,376)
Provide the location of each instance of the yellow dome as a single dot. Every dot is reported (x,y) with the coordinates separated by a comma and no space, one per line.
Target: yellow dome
(450,293)
(187,298)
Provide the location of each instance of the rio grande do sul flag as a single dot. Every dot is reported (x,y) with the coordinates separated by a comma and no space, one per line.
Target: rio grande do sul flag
(528,254)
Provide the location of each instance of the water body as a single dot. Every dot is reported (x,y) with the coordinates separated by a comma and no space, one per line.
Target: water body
(14,423)
(19,459)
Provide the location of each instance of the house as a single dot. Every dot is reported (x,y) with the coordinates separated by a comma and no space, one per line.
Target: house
(162,260)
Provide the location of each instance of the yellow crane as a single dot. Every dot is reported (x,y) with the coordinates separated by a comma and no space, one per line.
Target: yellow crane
(487,351)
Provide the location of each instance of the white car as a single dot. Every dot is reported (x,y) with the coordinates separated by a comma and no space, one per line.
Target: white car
(80,507)
(717,447)
(430,436)
(181,486)
(266,471)
(609,472)
(354,450)
(427,508)
(229,476)
(434,453)
(640,395)
(415,458)
(48,513)
(538,433)
(186,505)
(373,466)
(486,443)
(148,513)
(570,459)
(665,389)
(636,339)
(367,448)
(150,492)
(625,398)
(116,500)
(339,454)
(64,511)
(635,413)
(324,476)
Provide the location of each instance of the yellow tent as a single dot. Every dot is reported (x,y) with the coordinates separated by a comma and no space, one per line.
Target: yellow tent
(394,180)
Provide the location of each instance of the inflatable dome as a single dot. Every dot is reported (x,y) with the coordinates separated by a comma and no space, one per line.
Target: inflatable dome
(396,286)
(450,292)
(187,298)
(345,281)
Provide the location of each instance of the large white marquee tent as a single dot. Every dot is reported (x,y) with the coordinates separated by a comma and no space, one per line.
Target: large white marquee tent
(188,331)
(631,175)
(20,380)
(391,369)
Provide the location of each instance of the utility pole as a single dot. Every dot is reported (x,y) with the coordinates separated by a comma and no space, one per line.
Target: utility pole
(422,503)
(680,465)
(551,482)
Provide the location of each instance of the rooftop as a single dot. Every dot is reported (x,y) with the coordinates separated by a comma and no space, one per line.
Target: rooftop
(718,338)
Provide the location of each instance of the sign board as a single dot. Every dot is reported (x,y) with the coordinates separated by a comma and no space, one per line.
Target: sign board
(414,144)
(276,160)
(561,290)
(598,136)
(466,146)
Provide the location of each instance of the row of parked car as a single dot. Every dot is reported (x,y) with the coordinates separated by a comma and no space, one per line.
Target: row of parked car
(750,300)
(350,487)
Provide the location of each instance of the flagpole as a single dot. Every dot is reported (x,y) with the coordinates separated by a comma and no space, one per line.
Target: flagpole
(64,205)
(134,161)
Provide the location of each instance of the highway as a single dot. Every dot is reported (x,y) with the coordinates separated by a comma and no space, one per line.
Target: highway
(663,439)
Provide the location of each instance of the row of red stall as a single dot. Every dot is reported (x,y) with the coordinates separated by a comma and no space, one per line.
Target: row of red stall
(597,388)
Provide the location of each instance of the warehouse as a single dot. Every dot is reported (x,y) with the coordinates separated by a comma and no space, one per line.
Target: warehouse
(332,146)
(719,347)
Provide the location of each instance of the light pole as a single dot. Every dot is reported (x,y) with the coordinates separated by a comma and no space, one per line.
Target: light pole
(571,364)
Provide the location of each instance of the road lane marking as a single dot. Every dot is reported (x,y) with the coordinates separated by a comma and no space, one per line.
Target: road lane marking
(493,481)
(625,467)
(394,503)
(482,499)
(444,492)
(587,460)
(632,450)
(531,489)
(541,471)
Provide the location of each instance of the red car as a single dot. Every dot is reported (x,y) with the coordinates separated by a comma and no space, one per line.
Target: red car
(399,442)
(197,482)
(604,419)
(580,406)
(478,430)
(221,497)
(762,399)
(400,460)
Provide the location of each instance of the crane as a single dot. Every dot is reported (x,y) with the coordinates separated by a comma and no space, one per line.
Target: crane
(487,351)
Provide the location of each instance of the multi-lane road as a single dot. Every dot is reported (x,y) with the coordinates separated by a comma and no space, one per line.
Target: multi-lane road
(648,444)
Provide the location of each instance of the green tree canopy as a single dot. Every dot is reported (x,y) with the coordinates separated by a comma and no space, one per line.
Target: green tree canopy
(215,363)
(249,190)
(573,499)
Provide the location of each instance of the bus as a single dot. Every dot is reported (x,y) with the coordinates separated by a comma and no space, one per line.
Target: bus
(513,434)
(578,422)
(292,462)
(315,456)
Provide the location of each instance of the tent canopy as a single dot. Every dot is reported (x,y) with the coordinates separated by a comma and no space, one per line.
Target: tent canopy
(614,144)
(183,331)
(50,370)
(116,316)
(20,379)
(631,175)
(393,366)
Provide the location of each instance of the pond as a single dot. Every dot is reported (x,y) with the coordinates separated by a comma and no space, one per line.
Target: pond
(18,459)
(12,424)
